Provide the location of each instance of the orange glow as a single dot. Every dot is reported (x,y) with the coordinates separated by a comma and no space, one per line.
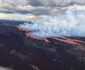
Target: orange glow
(61,38)
(74,40)
(69,40)
(36,37)
(32,36)
(24,29)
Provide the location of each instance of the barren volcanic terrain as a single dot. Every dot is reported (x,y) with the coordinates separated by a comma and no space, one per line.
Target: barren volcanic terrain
(22,51)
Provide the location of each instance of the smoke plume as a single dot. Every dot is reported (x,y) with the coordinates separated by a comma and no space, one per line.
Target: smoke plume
(69,23)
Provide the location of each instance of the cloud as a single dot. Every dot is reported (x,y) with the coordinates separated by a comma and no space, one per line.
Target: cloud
(41,11)
(54,3)
(6,7)
(35,6)
(45,2)
(16,2)
(39,7)
(15,16)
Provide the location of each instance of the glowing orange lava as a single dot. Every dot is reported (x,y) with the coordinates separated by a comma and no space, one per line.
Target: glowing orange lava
(32,36)
(36,37)
(69,40)
(61,38)
(24,29)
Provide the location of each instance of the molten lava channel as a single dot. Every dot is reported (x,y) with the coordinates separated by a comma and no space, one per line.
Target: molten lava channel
(61,38)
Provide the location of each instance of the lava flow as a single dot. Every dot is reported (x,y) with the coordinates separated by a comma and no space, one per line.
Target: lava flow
(24,29)
(61,38)
(32,36)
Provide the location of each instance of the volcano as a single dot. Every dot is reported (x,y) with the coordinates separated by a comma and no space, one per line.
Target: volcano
(20,50)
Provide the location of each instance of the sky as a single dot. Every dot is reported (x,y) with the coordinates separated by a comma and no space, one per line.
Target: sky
(36,9)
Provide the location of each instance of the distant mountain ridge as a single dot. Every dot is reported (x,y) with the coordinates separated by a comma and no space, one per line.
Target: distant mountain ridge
(12,22)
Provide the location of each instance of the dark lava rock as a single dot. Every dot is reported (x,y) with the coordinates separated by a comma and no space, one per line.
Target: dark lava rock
(24,53)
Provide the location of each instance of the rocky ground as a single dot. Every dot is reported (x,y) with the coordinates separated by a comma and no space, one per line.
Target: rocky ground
(21,52)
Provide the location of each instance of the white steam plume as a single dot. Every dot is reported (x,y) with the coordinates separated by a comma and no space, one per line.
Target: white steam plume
(69,23)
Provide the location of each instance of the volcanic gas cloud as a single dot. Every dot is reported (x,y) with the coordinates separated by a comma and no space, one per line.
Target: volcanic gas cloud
(70,23)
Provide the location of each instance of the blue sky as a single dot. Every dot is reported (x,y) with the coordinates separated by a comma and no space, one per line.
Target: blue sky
(32,9)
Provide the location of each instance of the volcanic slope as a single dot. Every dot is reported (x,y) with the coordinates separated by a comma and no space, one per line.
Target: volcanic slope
(22,51)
